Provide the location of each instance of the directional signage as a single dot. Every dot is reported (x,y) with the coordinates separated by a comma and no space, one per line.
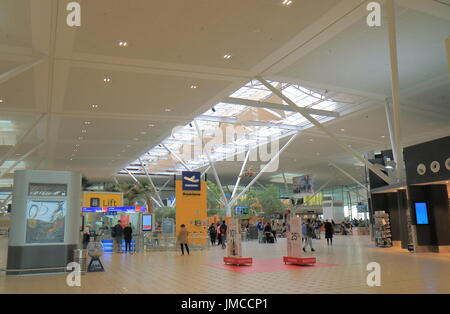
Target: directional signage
(191,181)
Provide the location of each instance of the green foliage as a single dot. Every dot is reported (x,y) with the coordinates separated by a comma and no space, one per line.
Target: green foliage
(164,212)
(213,196)
(221,212)
(132,192)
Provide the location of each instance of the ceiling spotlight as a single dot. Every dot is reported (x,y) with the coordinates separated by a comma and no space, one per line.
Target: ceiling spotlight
(87,122)
(123,43)
(194,86)
(83,131)
(342,130)
(227,56)
(382,136)
(1,100)
(311,140)
(94,106)
(106,80)
(287,2)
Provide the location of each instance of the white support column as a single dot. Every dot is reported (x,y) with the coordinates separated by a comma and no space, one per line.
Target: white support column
(285,183)
(325,130)
(13,149)
(14,165)
(349,176)
(240,173)
(396,122)
(211,163)
(151,181)
(20,69)
(234,200)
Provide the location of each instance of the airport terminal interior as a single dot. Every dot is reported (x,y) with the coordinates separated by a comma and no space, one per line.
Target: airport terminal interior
(211,146)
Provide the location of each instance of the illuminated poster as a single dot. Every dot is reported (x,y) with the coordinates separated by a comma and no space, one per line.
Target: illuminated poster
(147,222)
(303,185)
(294,237)
(45,221)
(234,238)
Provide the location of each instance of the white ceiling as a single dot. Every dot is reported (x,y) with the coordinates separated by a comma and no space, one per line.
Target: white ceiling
(175,44)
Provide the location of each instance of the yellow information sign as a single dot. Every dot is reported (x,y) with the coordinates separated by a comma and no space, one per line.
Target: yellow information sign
(102,199)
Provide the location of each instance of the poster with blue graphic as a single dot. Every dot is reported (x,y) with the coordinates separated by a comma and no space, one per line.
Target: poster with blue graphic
(45,221)
(191,181)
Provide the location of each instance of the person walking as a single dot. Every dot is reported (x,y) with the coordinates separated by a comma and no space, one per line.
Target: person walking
(212,233)
(128,236)
(183,239)
(318,225)
(219,236)
(260,227)
(117,234)
(329,230)
(309,235)
(223,234)
(86,236)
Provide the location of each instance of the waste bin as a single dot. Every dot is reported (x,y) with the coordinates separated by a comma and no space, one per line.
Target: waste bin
(80,257)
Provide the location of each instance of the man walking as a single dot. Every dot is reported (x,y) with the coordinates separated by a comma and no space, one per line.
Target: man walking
(117,234)
(309,235)
(223,233)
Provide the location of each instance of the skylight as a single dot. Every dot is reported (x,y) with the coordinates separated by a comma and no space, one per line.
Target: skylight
(230,129)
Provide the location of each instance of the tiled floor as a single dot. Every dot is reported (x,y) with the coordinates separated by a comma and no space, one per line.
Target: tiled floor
(168,272)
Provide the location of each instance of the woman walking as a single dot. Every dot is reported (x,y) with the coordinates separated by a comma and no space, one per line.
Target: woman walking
(212,233)
(329,230)
(183,239)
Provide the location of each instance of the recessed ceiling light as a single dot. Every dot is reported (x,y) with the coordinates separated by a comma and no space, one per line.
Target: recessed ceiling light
(194,86)
(83,131)
(87,122)
(311,140)
(106,80)
(95,106)
(318,154)
(80,138)
(77,145)
(383,136)
(342,130)
(71,159)
(227,56)
(287,2)
(143,132)
(167,110)
(151,125)
(123,43)
(1,100)
(18,154)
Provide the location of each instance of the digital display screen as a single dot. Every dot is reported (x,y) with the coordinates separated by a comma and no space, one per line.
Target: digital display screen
(421,213)
(147,222)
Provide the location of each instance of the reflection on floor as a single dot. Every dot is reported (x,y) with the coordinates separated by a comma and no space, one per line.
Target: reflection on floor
(169,272)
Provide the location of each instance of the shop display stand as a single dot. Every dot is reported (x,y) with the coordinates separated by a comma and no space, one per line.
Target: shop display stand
(238,261)
(382,229)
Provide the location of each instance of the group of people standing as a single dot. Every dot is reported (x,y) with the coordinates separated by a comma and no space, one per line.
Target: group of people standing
(218,232)
(120,233)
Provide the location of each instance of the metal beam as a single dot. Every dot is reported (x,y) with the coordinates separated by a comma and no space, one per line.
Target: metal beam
(151,181)
(164,185)
(139,183)
(240,173)
(177,157)
(285,183)
(232,201)
(20,69)
(14,165)
(6,200)
(396,120)
(211,163)
(249,123)
(13,149)
(349,176)
(275,106)
(316,123)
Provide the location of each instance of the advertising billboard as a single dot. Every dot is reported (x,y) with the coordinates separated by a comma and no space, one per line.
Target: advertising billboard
(303,185)
(45,221)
